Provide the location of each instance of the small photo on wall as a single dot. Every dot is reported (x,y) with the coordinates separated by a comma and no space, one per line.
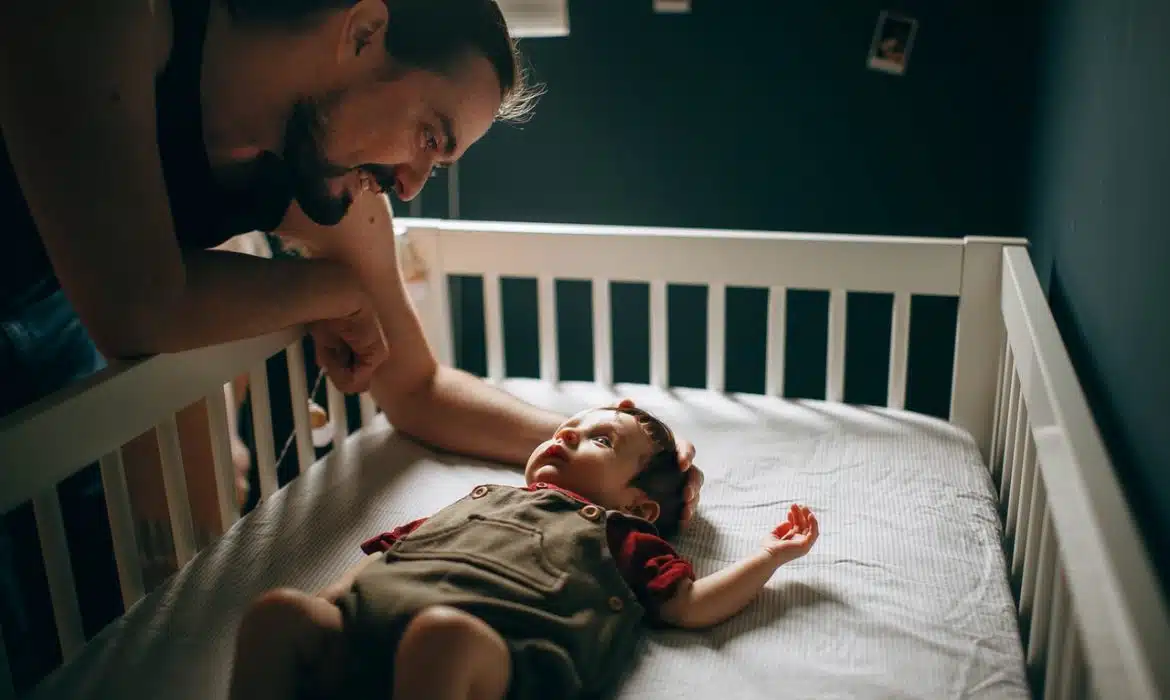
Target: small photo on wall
(892,40)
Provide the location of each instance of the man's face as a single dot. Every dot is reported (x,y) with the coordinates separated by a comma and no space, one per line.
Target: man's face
(385,135)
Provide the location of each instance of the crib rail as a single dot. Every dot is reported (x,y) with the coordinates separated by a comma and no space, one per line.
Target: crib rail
(1092,614)
(779,262)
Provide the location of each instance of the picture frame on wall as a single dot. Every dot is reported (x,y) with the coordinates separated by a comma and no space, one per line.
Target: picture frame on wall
(893,37)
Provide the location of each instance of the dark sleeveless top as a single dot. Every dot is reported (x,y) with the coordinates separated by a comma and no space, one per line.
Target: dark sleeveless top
(204,214)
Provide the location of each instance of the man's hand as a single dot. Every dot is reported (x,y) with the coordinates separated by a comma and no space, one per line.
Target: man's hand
(686,457)
(350,349)
(795,536)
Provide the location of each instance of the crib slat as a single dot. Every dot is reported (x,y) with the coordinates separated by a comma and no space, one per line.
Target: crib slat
(547,308)
(337,414)
(1072,661)
(1013,427)
(777,318)
(221,457)
(659,353)
(59,571)
(899,348)
(835,382)
(716,335)
(262,435)
(1022,438)
(121,518)
(602,328)
(1005,418)
(1042,604)
(175,484)
(299,395)
(369,409)
(1001,389)
(1038,514)
(1024,503)
(1057,633)
(493,326)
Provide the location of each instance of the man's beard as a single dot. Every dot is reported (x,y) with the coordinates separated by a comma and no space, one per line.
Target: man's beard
(307,168)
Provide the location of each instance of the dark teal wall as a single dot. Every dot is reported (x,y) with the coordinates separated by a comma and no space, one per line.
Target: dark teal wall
(752,114)
(761,115)
(1100,229)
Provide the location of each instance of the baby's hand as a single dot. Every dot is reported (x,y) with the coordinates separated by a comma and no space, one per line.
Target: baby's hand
(794,537)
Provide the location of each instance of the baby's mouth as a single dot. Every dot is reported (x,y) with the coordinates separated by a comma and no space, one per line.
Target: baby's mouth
(555,452)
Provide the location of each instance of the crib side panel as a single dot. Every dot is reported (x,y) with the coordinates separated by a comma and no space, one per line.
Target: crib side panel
(778,263)
(49,440)
(1092,612)
(130,410)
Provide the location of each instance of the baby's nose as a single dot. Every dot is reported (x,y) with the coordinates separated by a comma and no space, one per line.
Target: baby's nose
(569,437)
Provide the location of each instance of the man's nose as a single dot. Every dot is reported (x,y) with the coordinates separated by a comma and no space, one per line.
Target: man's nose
(411,180)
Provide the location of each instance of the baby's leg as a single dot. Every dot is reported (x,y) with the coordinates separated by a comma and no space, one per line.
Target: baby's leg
(287,640)
(447,654)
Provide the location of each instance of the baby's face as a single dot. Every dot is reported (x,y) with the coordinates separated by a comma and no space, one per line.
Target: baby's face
(596,454)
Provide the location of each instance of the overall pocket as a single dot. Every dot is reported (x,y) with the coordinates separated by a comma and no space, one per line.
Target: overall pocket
(512,550)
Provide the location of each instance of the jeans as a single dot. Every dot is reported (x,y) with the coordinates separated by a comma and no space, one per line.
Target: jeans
(43,348)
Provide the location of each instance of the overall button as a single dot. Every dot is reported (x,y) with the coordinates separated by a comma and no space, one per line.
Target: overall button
(479,492)
(590,512)
(616,604)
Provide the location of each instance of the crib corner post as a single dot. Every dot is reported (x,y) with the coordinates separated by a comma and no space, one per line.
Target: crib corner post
(421,264)
(979,337)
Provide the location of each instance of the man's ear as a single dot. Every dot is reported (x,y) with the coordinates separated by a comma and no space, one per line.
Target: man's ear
(644,507)
(363,25)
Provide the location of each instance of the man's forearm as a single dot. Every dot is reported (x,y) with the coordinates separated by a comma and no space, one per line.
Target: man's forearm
(459,412)
(229,296)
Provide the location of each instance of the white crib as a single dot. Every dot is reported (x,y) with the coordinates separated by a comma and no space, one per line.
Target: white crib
(1094,621)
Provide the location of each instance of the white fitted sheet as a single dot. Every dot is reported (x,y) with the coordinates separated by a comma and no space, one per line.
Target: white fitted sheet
(904,596)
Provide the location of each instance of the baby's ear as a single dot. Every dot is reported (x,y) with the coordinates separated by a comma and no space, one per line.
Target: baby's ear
(644,507)
(626,403)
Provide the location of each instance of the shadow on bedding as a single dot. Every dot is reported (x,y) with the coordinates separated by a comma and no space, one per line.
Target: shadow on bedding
(769,608)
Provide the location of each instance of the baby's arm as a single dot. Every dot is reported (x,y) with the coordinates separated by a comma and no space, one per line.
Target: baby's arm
(714,598)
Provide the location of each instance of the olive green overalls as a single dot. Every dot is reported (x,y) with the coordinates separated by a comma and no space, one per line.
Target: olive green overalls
(534,565)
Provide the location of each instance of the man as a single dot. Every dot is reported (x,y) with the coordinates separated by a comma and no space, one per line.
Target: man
(137,134)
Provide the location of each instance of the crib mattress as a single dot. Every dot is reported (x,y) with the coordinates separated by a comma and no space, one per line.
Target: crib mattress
(904,596)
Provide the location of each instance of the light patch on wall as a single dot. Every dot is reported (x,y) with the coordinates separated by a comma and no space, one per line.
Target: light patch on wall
(676,7)
(893,37)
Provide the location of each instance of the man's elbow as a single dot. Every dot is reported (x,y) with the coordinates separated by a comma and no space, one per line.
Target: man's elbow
(406,395)
(131,336)
(132,326)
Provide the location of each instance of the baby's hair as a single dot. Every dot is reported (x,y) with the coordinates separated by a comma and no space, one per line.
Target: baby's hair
(660,478)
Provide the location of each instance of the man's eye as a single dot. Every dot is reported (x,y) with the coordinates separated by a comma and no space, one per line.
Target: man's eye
(603,441)
(432,142)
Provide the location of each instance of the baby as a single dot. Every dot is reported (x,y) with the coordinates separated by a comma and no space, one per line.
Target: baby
(524,593)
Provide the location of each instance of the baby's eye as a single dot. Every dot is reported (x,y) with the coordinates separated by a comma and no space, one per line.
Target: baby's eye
(603,440)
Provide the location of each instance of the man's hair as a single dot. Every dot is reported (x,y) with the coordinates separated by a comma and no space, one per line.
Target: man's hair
(430,35)
(660,478)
